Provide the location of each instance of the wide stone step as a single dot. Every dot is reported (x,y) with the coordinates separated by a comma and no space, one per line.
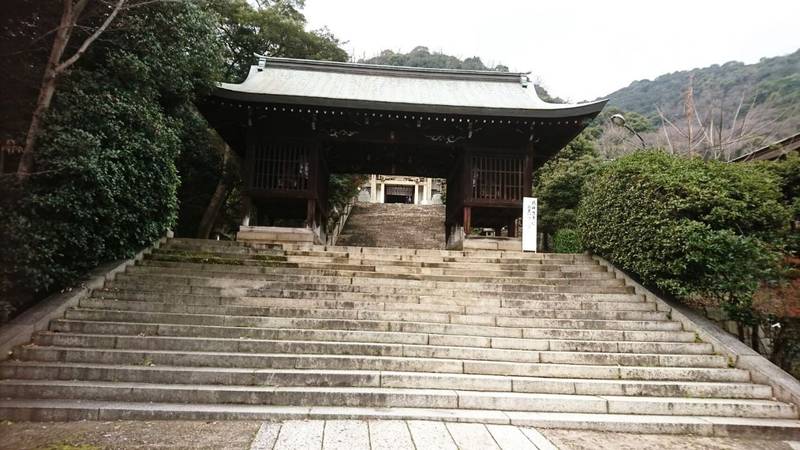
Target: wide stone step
(398,321)
(170,253)
(446,256)
(284,346)
(382,252)
(253,272)
(350,310)
(389,326)
(185,277)
(391,397)
(466,305)
(269,261)
(394,312)
(374,349)
(365,362)
(531,301)
(306,290)
(366,378)
(122,328)
(139,274)
(62,410)
(168,285)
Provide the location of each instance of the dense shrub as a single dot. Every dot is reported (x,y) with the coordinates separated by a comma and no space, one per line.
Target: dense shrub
(105,182)
(788,173)
(341,189)
(567,240)
(692,228)
(559,182)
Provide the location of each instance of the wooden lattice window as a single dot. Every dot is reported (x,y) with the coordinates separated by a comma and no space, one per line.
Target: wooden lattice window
(497,177)
(280,166)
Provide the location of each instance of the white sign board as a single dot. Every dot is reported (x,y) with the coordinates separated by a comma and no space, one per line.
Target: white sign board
(530,212)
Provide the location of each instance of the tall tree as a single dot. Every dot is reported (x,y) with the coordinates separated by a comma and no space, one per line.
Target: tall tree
(98,16)
(274,28)
(106,156)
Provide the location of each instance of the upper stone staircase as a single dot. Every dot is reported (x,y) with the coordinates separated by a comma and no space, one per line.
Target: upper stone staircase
(394,225)
(221,330)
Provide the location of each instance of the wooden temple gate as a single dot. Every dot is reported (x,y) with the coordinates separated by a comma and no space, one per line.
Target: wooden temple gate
(294,122)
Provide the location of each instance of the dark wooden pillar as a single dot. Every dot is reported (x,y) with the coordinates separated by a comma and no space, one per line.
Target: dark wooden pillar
(527,176)
(467,221)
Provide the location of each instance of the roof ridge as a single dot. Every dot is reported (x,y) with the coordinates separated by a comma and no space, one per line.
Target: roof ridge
(362,68)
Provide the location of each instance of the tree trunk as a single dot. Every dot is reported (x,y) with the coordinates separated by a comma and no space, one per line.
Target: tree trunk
(47,89)
(220,193)
(212,211)
(56,67)
(754,340)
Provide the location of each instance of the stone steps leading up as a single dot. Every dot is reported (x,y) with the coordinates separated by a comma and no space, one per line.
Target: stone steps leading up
(61,410)
(382,363)
(350,310)
(243,272)
(506,326)
(395,337)
(394,397)
(218,330)
(262,266)
(571,356)
(382,224)
(373,378)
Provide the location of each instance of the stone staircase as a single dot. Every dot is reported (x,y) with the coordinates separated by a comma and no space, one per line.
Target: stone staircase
(394,224)
(221,330)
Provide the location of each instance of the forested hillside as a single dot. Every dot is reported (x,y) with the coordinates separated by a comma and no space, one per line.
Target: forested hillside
(732,108)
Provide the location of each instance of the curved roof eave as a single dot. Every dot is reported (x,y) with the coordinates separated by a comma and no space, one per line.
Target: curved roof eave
(556,112)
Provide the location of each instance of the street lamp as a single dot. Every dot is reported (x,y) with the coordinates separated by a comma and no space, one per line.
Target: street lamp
(619,120)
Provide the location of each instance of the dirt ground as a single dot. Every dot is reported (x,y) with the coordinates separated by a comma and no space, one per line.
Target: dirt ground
(127,435)
(595,440)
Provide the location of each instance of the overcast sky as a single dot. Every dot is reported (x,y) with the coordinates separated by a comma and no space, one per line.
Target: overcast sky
(578,49)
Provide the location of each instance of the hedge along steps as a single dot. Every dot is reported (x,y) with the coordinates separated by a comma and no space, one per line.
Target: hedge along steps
(419,343)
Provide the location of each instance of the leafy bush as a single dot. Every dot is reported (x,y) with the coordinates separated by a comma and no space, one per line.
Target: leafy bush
(692,228)
(788,173)
(559,182)
(341,189)
(567,240)
(106,181)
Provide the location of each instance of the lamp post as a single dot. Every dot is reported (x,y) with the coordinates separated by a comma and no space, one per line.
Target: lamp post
(619,120)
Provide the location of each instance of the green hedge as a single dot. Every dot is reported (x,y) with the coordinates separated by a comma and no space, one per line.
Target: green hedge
(567,240)
(105,183)
(692,228)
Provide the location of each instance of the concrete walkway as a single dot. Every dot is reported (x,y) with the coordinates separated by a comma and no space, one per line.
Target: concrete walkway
(395,435)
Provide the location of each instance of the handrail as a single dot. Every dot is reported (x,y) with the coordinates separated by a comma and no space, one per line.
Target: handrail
(334,234)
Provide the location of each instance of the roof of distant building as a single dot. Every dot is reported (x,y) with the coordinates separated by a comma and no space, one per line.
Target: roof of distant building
(772,151)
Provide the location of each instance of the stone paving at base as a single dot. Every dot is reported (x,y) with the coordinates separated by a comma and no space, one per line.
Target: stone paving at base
(395,435)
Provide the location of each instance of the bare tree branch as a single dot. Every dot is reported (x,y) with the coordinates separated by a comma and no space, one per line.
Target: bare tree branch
(82,49)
